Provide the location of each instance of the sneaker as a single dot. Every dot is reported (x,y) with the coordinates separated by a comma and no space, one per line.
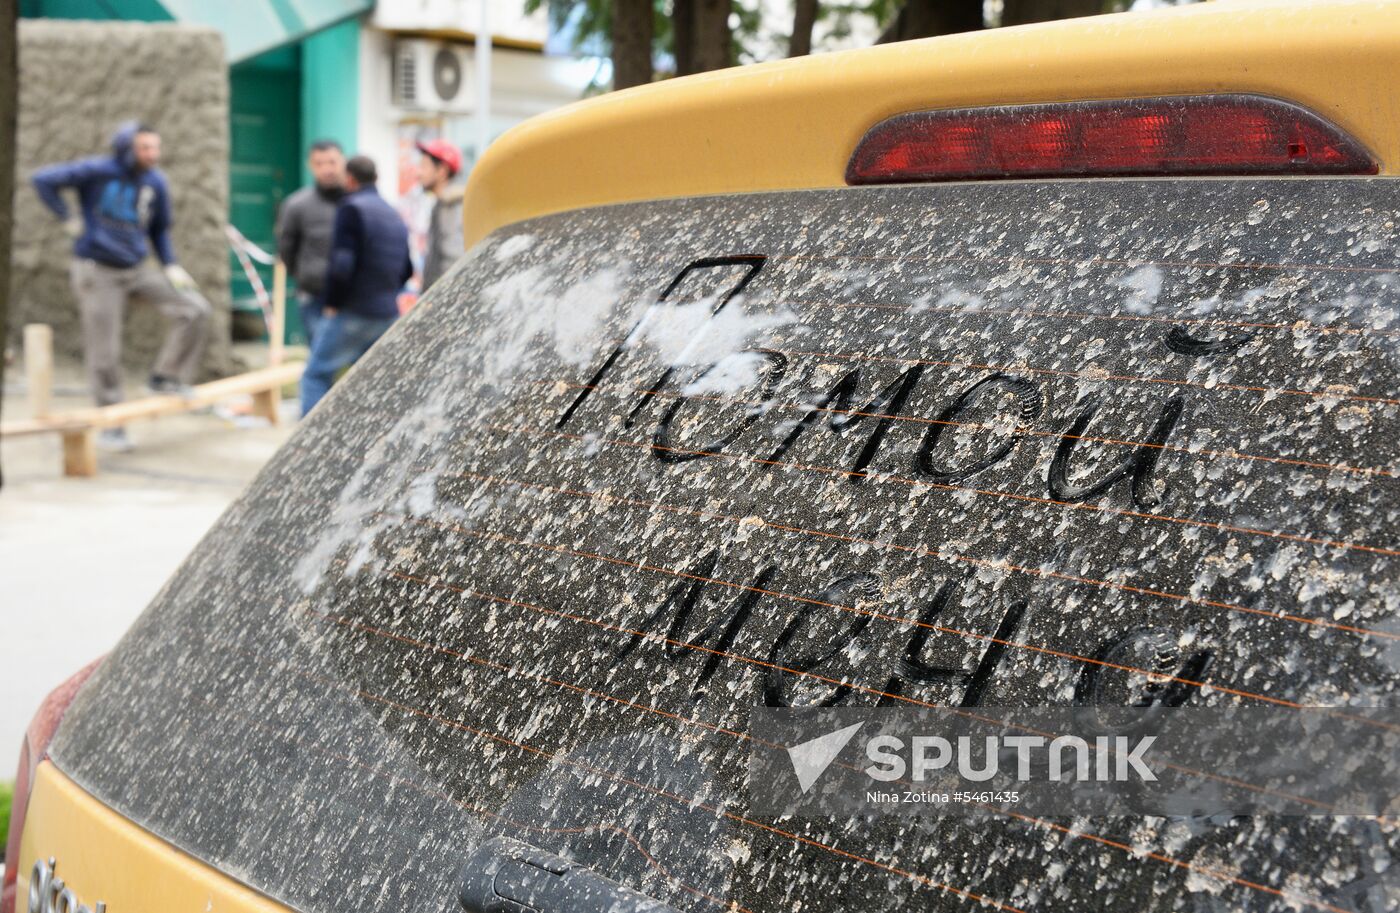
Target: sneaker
(169,386)
(114,440)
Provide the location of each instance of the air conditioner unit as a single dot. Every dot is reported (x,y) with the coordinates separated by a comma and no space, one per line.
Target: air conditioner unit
(431,76)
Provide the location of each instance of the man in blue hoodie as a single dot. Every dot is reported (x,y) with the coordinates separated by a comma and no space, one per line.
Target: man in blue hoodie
(368,266)
(125,211)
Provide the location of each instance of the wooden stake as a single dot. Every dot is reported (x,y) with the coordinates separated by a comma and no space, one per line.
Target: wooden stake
(265,403)
(38,368)
(80,452)
(278,331)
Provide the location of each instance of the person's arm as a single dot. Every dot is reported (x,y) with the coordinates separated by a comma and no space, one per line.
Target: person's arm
(159,227)
(345,247)
(51,179)
(407,268)
(288,231)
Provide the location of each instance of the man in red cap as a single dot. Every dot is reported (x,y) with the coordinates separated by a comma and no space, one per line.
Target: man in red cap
(440,163)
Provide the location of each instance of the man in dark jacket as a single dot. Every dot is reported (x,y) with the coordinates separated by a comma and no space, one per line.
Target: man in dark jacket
(304,229)
(125,211)
(368,267)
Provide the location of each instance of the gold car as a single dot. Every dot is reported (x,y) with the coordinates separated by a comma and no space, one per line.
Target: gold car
(1049,366)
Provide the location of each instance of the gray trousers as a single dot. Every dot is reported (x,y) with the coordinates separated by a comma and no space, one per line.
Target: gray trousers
(103,292)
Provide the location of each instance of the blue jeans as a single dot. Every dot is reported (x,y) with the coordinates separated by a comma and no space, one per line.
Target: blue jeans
(309,306)
(339,343)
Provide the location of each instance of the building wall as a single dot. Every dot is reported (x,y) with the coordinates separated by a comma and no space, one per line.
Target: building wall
(77,81)
(330,78)
(377,126)
(506,19)
(143,10)
(523,83)
(264,161)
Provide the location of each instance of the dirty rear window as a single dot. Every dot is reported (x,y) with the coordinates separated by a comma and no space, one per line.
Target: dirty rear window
(630,472)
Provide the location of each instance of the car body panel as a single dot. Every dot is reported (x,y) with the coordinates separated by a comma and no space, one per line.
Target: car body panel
(793,124)
(104,858)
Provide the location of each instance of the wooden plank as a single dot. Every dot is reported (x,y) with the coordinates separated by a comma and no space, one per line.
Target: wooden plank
(38,368)
(80,453)
(204,395)
(53,424)
(270,379)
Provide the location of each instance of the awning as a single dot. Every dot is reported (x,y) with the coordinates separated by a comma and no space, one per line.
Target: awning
(251,27)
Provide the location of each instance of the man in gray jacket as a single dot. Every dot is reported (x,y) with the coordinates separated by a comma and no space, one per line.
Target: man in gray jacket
(304,230)
(440,164)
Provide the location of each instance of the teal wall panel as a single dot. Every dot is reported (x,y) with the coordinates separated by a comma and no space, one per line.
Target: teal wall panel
(265,150)
(330,87)
(138,10)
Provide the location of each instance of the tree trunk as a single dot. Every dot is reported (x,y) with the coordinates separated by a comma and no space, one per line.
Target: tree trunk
(1019,12)
(927,18)
(713,45)
(631,43)
(804,17)
(9,109)
(683,35)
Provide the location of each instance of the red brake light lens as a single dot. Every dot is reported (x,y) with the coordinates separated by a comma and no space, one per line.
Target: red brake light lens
(33,750)
(1180,135)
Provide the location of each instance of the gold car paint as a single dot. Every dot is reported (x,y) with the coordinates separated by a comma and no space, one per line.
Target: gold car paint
(104,858)
(792,124)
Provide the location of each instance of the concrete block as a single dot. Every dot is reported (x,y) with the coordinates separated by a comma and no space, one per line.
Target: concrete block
(78,80)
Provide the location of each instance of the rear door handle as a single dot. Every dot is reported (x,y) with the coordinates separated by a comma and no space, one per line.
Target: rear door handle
(508,876)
